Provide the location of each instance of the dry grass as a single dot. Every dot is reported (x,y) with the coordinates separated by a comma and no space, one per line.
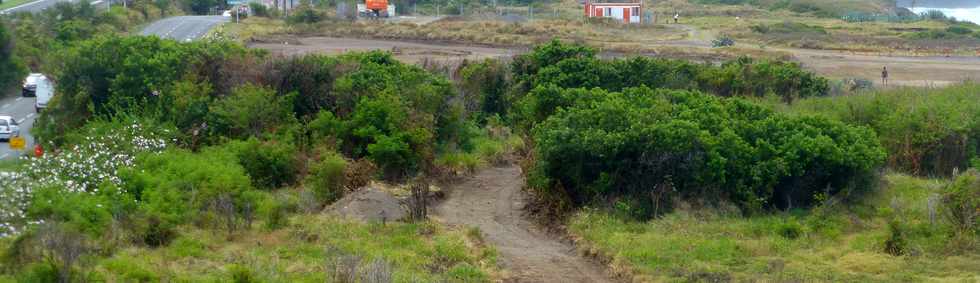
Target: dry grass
(876,37)
(306,251)
(836,244)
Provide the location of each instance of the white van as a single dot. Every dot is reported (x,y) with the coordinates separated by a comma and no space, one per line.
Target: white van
(45,90)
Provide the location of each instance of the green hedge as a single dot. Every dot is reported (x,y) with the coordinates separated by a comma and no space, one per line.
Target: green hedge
(636,142)
(573,66)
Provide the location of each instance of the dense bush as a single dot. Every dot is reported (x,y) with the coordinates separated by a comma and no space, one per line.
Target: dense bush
(526,66)
(926,132)
(740,77)
(249,112)
(788,28)
(484,86)
(326,177)
(202,7)
(724,41)
(392,113)
(11,70)
(962,201)
(612,144)
(207,188)
(310,77)
(110,75)
(747,77)
(305,15)
(258,9)
(270,164)
(79,185)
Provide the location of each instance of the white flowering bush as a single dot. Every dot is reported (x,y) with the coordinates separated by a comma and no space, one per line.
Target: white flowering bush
(95,157)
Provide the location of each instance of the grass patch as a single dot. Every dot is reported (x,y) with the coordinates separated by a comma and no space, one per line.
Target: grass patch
(828,244)
(492,146)
(13,3)
(313,248)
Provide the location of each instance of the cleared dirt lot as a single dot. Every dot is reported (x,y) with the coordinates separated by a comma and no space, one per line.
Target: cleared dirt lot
(407,51)
(909,71)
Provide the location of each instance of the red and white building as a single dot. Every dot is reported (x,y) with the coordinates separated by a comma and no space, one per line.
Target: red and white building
(627,11)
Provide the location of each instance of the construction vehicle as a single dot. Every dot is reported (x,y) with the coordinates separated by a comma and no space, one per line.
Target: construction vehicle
(375,9)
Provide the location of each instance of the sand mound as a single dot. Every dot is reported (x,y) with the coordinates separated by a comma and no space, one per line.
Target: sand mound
(370,204)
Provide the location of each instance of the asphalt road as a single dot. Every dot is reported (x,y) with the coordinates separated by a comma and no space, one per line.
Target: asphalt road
(37,6)
(184,28)
(22,109)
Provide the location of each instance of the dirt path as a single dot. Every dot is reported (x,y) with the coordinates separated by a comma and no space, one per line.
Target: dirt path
(493,202)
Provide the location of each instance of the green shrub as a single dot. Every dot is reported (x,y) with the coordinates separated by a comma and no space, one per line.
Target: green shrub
(40,272)
(241,274)
(310,77)
(790,229)
(250,112)
(129,270)
(270,164)
(305,15)
(326,177)
(11,70)
(154,231)
(962,203)
(83,211)
(524,67)
(179,186)
(484,86)
(275,214)
(325,129)
(959,30)
(925,131)
(897,242)
(788,28)
(741,77)
(258,9)
(628,143)
(109,75)
(459,162)
(377,130)
(465,272)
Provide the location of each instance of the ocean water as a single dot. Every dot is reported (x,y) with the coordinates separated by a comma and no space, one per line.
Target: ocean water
(967,14)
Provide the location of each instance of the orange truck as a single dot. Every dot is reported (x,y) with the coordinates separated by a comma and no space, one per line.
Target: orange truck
(376,8)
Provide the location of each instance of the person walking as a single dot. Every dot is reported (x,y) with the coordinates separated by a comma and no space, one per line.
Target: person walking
(676,17)
(884,75)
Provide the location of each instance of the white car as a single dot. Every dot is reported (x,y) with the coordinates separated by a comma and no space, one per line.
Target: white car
(8,128)
(30,84)
(226,13)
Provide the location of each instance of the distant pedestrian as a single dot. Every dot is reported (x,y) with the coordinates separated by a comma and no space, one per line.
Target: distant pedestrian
(884,75)
(676,17)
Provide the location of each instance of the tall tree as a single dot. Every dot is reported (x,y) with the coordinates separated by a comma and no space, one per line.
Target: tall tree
(10,68)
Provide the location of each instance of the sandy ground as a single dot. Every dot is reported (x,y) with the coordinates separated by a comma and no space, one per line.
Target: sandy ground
(494,202)
(909,71)
(411,52)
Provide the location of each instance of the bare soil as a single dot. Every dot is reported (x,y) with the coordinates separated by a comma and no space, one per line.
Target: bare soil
(370,204)
(493,201)
(407,51)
